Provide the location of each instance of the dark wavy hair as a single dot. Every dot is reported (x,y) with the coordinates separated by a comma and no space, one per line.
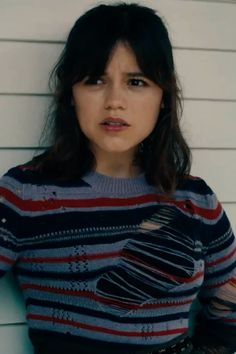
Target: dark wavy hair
(164,155)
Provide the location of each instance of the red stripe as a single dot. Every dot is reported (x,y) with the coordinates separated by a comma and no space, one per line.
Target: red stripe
(69,259)
(231,320)
(96,256)
(165,274)
(209,214)
(95,297)
(191,208)
(222,259)
(104,329)
(25,168)
(51,204)
(6,260)
(233,281)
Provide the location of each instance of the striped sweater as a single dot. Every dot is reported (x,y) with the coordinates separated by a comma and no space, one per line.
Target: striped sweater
(112,261)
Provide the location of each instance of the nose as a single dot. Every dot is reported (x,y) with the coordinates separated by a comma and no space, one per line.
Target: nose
(115,97)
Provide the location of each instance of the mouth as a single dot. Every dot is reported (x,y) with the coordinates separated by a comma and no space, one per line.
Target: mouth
(114,122)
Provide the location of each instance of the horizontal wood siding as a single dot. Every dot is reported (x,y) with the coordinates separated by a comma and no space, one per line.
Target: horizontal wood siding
(32,36)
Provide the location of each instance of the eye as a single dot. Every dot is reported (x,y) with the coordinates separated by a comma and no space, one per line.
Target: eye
(137,82)
(95,80)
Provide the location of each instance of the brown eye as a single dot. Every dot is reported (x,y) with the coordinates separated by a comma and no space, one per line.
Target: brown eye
(137,82)
(93,81)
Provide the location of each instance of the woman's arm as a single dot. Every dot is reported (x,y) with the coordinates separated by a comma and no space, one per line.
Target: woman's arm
(10,194)
(215,330)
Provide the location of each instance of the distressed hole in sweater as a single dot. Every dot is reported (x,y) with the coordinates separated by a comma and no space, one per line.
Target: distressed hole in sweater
(148,269)
(163,217)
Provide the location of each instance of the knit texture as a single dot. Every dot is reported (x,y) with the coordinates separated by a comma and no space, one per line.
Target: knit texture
(112,260)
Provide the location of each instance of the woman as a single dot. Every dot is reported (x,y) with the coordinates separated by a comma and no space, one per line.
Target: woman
(111,238)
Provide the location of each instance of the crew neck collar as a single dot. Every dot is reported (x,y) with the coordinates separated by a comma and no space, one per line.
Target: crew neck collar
(118,185)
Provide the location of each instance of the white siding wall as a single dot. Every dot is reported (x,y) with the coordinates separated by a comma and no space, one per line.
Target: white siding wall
(31,37)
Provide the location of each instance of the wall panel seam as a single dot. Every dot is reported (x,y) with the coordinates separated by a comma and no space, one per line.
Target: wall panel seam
(214,1)
(38,41)
(209,99)
(228,202)
(35,94)
(34,41)
(13,324)
(206,148)
(223,50)
(215,148)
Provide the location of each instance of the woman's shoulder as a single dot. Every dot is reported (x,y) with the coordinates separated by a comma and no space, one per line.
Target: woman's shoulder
(199,198)
(14,181)
(196,191)
(28,174)
(22,174)
(195,184)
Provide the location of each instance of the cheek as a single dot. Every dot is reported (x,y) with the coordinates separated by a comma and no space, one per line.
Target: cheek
(87,106)
(155,110)
(82,111)
(87,121)
(80,101)
(156,106)
(151,103)
(148,117)
(150,112)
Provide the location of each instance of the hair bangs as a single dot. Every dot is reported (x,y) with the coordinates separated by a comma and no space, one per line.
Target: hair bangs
(90,50)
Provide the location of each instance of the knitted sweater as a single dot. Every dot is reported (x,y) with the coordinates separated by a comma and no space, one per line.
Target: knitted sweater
(114,261)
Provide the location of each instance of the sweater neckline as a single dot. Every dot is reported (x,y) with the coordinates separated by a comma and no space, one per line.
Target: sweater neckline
(118,185)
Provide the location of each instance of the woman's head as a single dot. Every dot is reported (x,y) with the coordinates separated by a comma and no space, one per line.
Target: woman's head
(96,33)
(163,154)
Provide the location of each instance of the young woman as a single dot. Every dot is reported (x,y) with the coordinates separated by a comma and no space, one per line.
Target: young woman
(110,236)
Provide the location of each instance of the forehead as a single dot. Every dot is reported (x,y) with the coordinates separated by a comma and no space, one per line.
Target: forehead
(123,58)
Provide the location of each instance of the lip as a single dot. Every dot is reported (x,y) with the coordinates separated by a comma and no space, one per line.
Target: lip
(114,128)
(115,120)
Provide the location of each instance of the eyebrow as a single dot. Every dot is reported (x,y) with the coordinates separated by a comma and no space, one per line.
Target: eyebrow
(136,74)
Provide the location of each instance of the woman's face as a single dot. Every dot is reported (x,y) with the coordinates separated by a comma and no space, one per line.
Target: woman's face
(119,109)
